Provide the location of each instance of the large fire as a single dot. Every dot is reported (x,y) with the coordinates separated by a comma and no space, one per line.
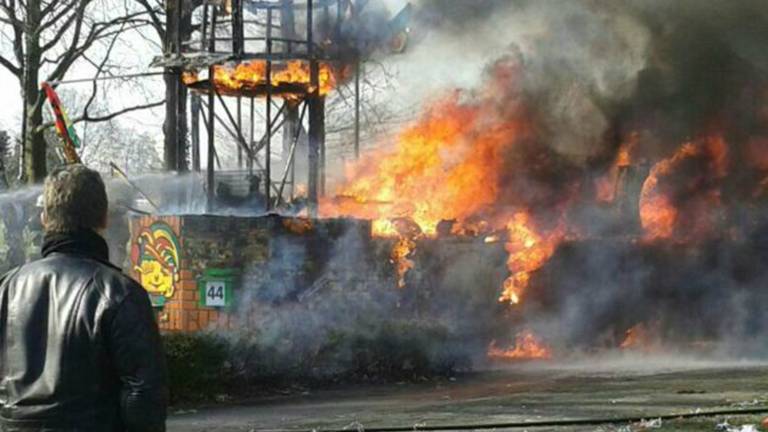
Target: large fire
(687,181)
(250,76)
(439,170)
(478,164)
(450,165)
(528,251)
(527,347)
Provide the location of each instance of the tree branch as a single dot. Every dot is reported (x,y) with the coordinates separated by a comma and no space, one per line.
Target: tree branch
(51,7)
(15,70)
(57,17)
(59,33)
(99,69)
(154,15)
(71,56)
(111,116)
(18,30)
(105,117)
(97,31)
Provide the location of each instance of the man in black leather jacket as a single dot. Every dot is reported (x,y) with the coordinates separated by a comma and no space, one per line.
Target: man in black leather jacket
(79,347)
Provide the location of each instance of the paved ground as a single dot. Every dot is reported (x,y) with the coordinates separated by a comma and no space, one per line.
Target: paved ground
(523,392)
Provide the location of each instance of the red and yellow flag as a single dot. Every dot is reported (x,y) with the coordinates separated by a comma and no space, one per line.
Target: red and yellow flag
(64,127)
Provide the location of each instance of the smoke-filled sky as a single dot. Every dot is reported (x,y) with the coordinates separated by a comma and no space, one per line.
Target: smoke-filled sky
(592,60)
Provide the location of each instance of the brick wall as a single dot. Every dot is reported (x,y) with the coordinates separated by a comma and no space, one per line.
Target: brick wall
(180,311)
(255,247)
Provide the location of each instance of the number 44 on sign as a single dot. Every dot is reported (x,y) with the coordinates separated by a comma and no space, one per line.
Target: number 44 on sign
(215,286)
(216,293)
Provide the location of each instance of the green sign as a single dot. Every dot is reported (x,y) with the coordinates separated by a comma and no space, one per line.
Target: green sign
(216,287)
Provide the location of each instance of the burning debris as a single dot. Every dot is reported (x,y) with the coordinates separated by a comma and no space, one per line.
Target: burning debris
(642,337)
(528,252)
(462,151)
(686,182)
(286,78)
(527,347)
(400,252)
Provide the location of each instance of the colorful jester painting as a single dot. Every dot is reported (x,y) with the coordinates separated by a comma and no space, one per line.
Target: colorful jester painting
(155,257)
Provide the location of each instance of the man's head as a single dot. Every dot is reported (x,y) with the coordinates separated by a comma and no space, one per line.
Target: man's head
(74,198)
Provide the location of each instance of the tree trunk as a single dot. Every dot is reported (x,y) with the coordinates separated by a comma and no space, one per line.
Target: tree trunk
(34,142)
(179,25)
(35,168)
(171,125)
(5,144)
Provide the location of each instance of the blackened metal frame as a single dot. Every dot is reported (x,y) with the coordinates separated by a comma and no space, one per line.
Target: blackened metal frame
(206,51)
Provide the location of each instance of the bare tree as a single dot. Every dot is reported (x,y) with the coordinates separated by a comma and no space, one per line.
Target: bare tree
(172,33)
(47,38)
(109,139)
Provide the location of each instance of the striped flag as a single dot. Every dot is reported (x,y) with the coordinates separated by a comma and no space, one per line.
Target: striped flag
(63,126)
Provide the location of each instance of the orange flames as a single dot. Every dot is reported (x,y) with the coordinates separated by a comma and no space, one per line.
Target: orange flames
(607,186)
(298,225)
(251,75)
(451,165)
(528,251)
(676,184)
(437,171)
(642,337)
(476,158)
(400,258)
(527,347)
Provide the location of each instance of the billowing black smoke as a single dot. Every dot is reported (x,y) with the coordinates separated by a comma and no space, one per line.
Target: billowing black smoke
(681,88)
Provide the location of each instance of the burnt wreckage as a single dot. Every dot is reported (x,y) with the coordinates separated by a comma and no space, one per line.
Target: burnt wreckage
(288,55)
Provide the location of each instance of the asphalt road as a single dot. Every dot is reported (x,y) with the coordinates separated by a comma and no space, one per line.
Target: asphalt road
(522,392)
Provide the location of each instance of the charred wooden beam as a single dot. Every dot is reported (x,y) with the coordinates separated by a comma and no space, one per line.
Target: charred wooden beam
(195,135)
(289,90)
(211,137)
(238,33)
(268,156)
(316,139)
(291,164)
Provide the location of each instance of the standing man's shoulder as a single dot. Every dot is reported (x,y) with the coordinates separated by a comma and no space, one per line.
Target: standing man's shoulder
(117,286)
(4,278)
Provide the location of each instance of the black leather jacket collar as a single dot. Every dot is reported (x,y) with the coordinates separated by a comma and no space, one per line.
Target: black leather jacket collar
(84,243)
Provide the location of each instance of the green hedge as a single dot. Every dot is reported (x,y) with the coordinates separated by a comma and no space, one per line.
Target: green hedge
(204,365)
(196,365)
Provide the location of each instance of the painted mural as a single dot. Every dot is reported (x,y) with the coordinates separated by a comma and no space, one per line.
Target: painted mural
(155,258)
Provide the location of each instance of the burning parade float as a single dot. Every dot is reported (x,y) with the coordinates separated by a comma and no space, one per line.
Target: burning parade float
(585,195)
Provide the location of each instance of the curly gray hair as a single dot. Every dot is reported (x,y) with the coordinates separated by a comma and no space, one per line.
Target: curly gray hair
(75,198)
